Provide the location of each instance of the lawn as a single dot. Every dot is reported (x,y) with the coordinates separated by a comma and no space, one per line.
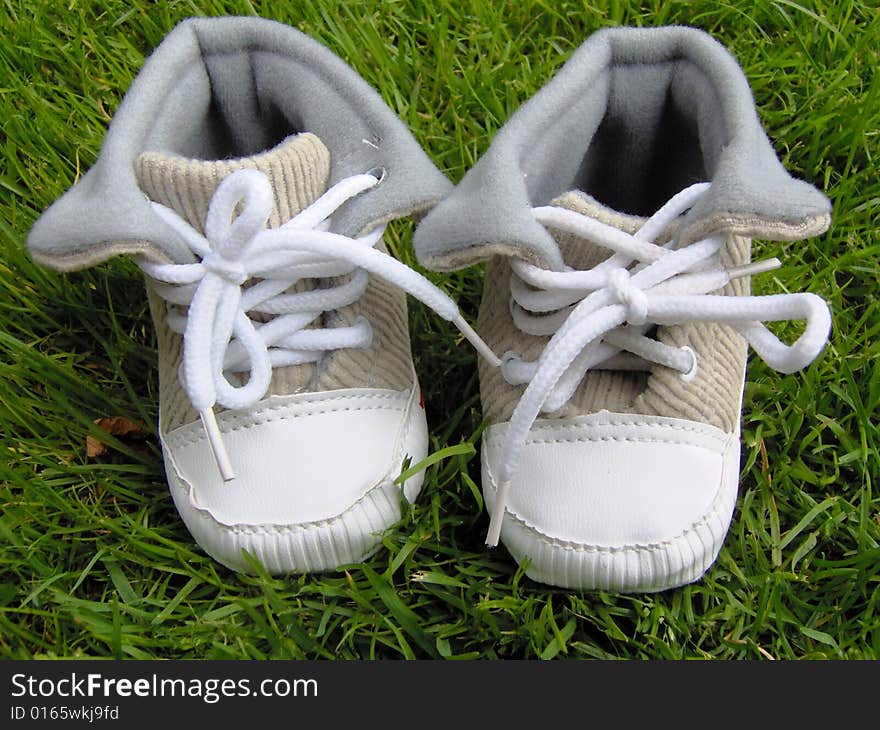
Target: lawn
(94,561)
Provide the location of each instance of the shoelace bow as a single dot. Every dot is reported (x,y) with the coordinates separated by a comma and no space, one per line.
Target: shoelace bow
(219,336)
(599,318)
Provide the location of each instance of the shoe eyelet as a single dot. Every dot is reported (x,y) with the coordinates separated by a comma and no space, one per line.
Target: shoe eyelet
(688,376)
(380,173)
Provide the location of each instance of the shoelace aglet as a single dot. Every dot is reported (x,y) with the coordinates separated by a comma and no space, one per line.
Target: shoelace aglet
(479,344)
(218,448)
(756,267)
(494,534)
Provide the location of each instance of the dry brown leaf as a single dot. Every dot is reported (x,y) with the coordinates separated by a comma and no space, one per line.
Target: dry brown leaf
(117,426)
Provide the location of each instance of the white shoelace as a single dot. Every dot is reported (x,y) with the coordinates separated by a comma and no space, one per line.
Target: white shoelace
(599,318)
(219,336)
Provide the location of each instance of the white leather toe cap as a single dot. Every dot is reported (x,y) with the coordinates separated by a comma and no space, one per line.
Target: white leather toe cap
(305,463)
(616,501)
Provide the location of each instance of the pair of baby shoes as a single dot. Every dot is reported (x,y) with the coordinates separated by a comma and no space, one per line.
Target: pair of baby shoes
(251,173)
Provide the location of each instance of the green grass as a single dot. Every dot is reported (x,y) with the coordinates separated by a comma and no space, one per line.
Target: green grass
(94,561)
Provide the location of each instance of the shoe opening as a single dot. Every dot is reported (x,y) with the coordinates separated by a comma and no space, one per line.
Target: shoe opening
(640,134)
(224,108)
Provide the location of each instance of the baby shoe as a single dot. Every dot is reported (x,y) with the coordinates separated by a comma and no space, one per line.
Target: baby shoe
(616,210)
(250,173)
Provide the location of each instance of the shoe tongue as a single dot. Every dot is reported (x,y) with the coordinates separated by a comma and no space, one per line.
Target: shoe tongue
(298,170)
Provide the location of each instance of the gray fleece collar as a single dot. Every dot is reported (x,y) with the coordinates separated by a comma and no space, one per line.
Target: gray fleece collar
(232,87)
(634,116)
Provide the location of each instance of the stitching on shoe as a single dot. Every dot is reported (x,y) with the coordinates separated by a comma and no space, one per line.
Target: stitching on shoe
(720,439)
(243,425)
(650,548)
(627,439)
(242,422)
(320,401)
(400,446)
(600,439)
(702,428)
(288,529)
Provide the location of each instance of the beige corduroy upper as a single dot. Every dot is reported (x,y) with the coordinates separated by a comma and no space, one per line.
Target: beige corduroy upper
(298,170)
(713,396)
